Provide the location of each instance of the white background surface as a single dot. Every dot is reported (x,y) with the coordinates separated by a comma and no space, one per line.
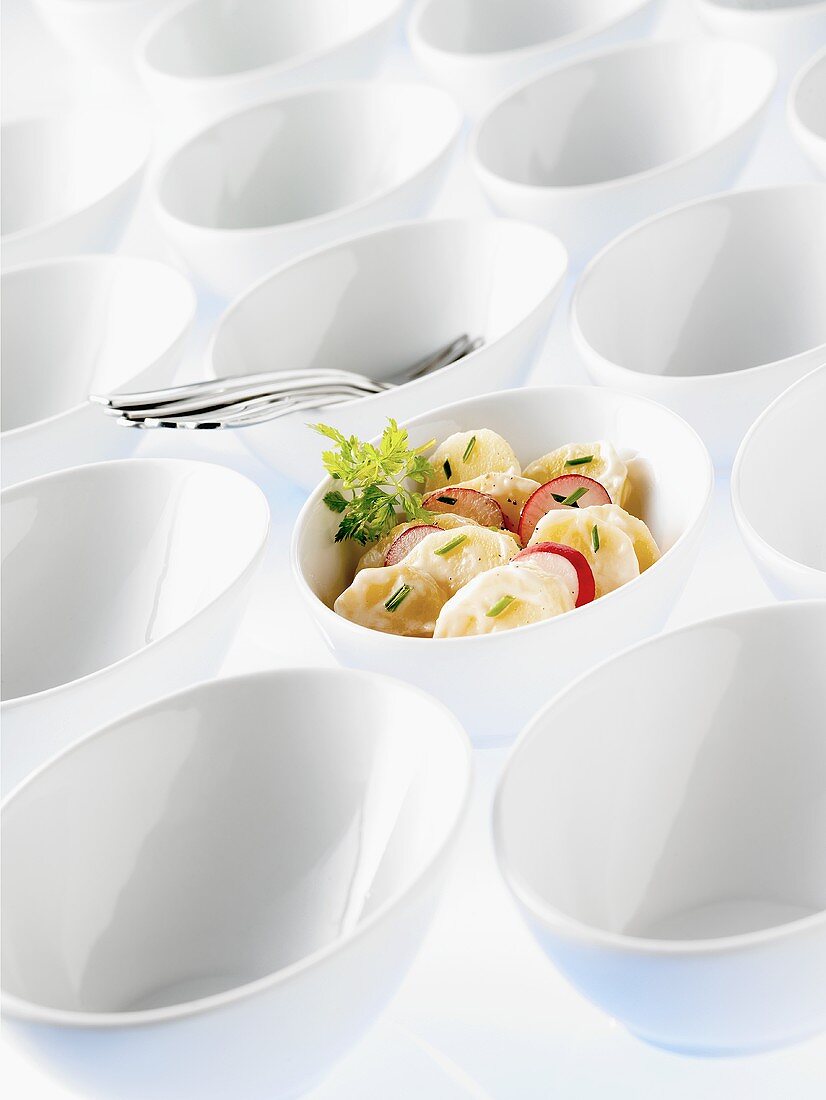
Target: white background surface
(482,1013)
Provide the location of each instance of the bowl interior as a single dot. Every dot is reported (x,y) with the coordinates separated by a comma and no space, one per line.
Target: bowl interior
(667,462)
(694,292)
(100,561)
(810,98)
(788,511)
(53,167)
(83,326)
(213,39)
(305,156)
(624,112)
(380,303)
(222,835)
(677,792)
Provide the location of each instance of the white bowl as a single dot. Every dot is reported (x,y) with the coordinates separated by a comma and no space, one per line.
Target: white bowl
(495,681)
(101,31)
(807,110)
(216,895)
(685,308)
(261,186)
(69,183)
(205,58)
(121,581)
(478,50)
(780,515)
(789,29)
(79,326)
(597,144)
(662,825)
(381,302)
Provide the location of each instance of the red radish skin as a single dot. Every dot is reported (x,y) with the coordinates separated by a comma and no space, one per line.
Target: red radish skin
(469,503)
(566,563)
(543,500)
(402,544)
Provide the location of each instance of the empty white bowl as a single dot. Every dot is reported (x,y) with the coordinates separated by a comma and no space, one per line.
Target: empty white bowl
(789,29)
(121,581)
(381,302)
(599,143)
(782,516)
(217,894)
(662,824)
(686,308)
(807,110)
(69,183)
(494,682)
(91,324)
(205,58)
(261,186)
(476,49)
(101,31)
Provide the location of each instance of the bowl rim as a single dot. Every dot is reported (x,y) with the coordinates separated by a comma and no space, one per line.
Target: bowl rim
(35,698)
(414,228)
(324,614)
(111,260)
(747,528)
(559,42)
(21,1008)
(578,931)
(143,142)
(744,14)
(587,349)
(798,126)
(697,46)
(336,89)
(392,11)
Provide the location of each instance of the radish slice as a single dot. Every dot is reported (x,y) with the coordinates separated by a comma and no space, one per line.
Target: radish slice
(553,494)
(402,544)
(468,503)
(566,563)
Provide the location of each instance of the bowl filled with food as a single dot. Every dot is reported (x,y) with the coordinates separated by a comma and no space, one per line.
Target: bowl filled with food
(519,535)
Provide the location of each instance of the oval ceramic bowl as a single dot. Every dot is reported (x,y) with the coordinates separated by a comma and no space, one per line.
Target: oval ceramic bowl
(217,894)
(780,515)
(662,824)
(685,309)
(789,29)
(478,50)
(121,581)
(205,58)
(377,304)
(495,681)
(292,174)
(595,145)
(807,110)
(91,324)
(101,31)
(69,183)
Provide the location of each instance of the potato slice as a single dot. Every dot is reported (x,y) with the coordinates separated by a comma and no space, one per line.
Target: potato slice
(605,466)
(413,613)
(452,566)
(468,455)
(645,547)
(501,599)
(613,564)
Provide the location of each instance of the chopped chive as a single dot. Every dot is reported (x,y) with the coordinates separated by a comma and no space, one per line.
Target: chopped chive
(447,500)
(595,538)
(558,497)
(448,546)
(500,606)
(579,461)
(575,495)
(447,469)
(398,597)
(471,443)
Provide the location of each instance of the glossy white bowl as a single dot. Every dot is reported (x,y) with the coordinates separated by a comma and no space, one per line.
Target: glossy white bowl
(121,581)
(807,110)
(103,32)
(205,58)
(69,183)
(662,824)
(216,895)
(477,49)
(782,517)
(494,682)
(593,146)
(685,308)
(265,184)
(381,302)
(789,29)
(90,324)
